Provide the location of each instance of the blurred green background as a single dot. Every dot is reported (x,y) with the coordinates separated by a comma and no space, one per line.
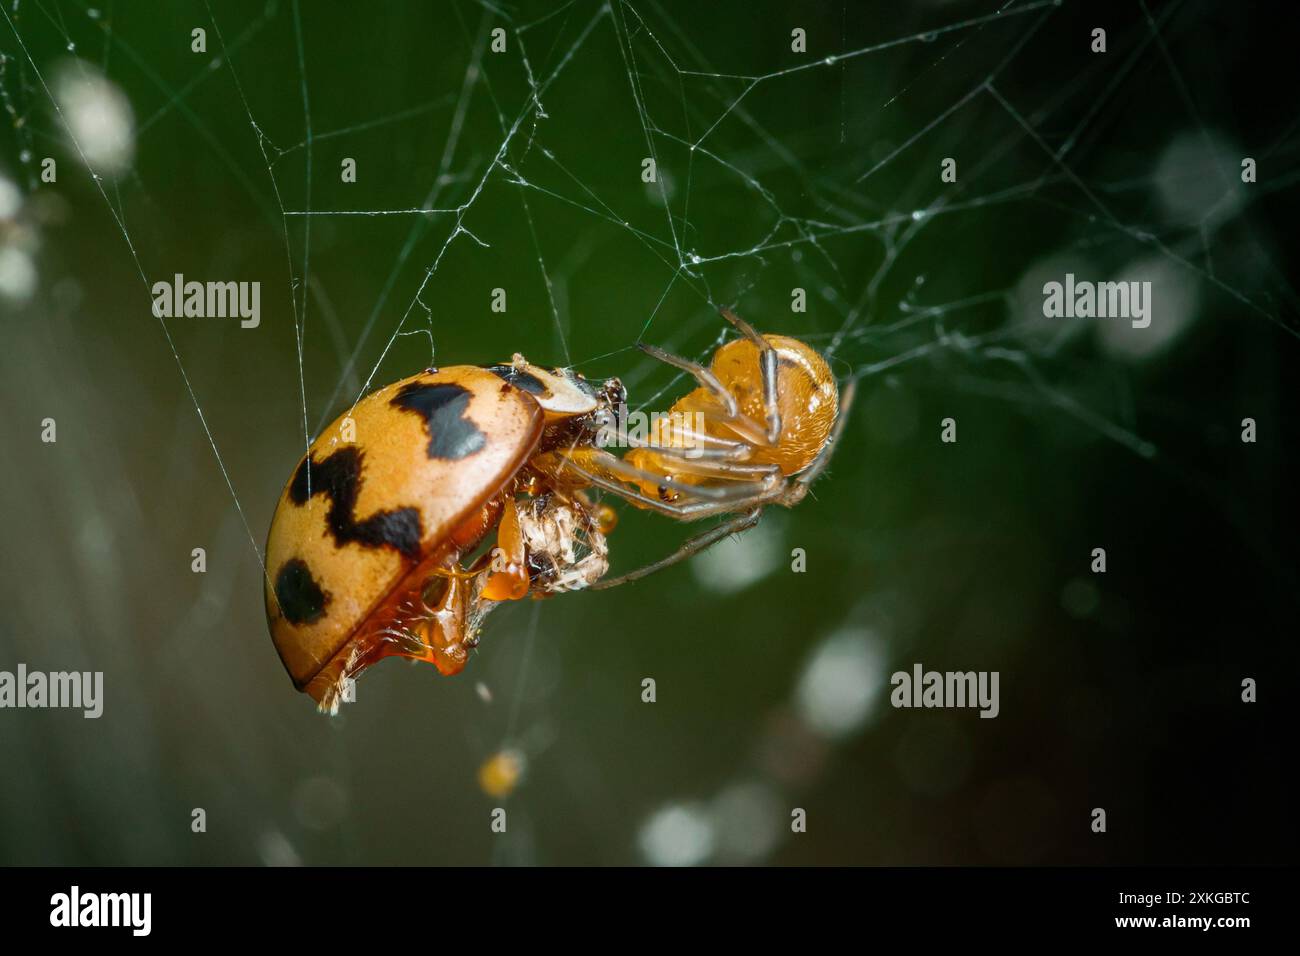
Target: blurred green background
(777,170)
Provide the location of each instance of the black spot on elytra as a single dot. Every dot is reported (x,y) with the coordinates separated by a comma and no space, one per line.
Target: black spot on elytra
(339,478)
(451,435)
(527,381)
(301,599)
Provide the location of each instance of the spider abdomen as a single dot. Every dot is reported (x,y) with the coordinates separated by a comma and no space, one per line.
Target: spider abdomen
(806,396)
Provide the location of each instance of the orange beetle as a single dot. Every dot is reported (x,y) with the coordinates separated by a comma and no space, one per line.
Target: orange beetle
(364,558)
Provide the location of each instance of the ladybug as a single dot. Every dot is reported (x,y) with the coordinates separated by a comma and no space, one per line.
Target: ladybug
(363,556)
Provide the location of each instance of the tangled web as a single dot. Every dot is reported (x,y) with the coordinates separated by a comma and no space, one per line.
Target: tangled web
(755,186)
(892,185)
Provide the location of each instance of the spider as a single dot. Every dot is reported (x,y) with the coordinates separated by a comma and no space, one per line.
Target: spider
(768,419)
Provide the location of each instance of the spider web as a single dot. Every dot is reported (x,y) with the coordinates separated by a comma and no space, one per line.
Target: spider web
(751,200)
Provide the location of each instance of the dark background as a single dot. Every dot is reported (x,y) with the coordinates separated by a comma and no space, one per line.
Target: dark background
(1119,691)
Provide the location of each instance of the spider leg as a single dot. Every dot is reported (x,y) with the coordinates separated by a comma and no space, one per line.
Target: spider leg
(722,447)
(731,416)
(745,495)
(704,376)
(681,512)
(559,462)
(767,363)
(603,463)
(733,525)
(734,471)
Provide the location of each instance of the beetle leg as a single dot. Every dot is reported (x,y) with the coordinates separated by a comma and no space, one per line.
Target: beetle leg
(508,578)
(457,574)
(432,626)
